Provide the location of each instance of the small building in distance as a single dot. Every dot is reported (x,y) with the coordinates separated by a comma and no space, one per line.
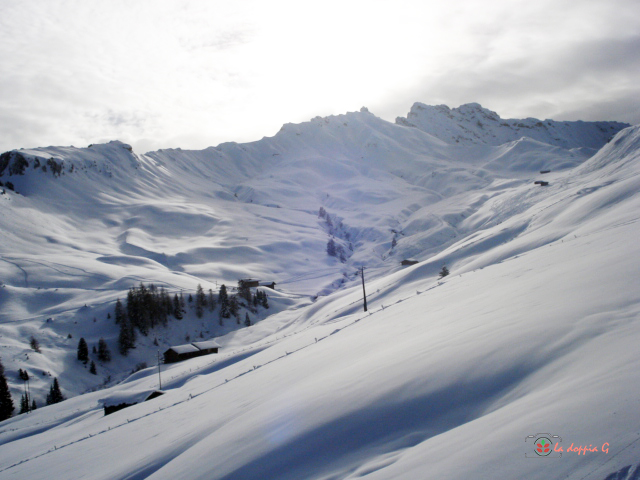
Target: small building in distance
(406,263)
(178,353)
(127,398)
(250,282)
(207,347)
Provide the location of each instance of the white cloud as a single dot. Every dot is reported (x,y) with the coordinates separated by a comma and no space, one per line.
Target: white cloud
(203,72)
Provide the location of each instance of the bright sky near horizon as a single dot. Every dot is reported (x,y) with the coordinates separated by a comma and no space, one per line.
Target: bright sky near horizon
(191,74)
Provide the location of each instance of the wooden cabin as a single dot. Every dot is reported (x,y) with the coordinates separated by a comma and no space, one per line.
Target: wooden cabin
(179,353)
(406,263)
(120,400)
(250,282)
(208,347)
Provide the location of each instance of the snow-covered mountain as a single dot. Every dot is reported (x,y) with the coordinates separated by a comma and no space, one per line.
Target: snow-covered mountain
(534,330)
(471,124)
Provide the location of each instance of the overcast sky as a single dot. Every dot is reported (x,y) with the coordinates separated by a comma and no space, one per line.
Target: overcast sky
(191,74)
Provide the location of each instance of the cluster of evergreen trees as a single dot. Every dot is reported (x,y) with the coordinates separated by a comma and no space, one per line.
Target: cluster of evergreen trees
(148,306)
(103,352)
(334,249)
(27,404)
(230,304)
(54,395)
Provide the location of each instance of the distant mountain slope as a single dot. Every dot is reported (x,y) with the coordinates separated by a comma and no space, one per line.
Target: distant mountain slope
(82,225)
(471,124)
(535,331)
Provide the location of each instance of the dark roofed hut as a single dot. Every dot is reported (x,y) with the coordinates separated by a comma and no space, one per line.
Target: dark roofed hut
(179,353)
(208,347)
(123,399)
(406,263)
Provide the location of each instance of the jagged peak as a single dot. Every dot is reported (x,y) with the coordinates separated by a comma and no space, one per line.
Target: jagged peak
(471,123)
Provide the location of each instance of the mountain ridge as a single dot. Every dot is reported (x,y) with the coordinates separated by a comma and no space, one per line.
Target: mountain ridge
(472,124)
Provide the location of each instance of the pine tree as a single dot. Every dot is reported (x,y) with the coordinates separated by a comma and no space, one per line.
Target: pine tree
(165,307)
(54,395)
(177,308)
(223,300)
(83,351)
(201,301)
(104,355)
(24,404)
(244,291)
(444,272)
(322,212)
(247,320)
(126,337)
(6,402)
(35,345)
(234,307)
(331,248)
(262,299)
(120,313)
(211,301)
(190,299)
(34,406)
(92,368)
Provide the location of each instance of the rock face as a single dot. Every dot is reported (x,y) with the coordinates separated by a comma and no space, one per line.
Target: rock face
(472,124)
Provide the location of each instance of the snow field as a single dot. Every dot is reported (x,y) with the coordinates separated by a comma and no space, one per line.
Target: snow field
(534,330)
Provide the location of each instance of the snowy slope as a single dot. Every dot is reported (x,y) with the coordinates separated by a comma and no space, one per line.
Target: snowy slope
(534,331)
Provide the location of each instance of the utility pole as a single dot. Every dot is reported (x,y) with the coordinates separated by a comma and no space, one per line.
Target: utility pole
(159,377)
(28,395)
(364,293)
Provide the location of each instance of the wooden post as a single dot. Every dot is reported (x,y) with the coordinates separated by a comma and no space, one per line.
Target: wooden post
(364,293)
(159,377)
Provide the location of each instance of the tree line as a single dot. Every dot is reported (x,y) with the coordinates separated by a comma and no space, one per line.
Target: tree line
(147,307)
